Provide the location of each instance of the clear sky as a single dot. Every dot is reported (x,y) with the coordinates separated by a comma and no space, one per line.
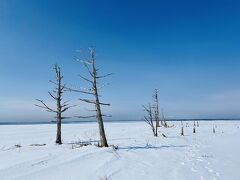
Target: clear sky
(189,50)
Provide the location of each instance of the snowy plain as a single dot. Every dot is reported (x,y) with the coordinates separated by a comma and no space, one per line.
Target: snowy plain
(140,156)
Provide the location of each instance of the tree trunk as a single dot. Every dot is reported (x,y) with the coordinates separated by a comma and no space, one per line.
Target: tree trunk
(59,109)
(182,133)
(194,127)
(194,130)
(59,137)
(103,139)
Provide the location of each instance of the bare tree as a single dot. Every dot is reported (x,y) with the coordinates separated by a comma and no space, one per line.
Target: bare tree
(156,109)
(93,72)
(214,129)
(149,119)
(182,132)
(194,127)
(152,118)
(164,122)
(57,96)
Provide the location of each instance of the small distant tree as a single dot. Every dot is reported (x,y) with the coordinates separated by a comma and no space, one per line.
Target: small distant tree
(93,90)
(152,117)
(149,119)
(61,107)
(194,127)
(182,132)
(164,122)
(197,124)
(214,129)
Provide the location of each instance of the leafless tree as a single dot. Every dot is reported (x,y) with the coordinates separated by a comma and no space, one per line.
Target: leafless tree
(60,106)
(214,129)
(152,118)
(156,109)
(149,119)
(182,132)
(93,90)
(194,127)
(164,122)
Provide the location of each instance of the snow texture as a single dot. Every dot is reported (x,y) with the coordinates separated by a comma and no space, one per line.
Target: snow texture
(140,156)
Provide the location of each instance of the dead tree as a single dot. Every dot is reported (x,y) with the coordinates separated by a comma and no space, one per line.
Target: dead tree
(194,127)
(182,132)
(60,106)
(149,119)
(152,118)
(93,72)
(164,122)
(156,109)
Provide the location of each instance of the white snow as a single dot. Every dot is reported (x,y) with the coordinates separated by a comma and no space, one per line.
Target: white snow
(203,156)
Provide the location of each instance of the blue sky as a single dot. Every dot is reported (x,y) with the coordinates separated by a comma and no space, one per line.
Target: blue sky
(189,50)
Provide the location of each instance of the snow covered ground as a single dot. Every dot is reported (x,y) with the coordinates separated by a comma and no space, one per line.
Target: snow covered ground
(140,156)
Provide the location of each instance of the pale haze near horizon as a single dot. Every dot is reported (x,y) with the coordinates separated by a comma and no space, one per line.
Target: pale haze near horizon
(191,57)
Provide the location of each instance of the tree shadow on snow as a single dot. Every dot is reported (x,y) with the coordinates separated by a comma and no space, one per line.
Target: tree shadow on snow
(128,148)
(94,141)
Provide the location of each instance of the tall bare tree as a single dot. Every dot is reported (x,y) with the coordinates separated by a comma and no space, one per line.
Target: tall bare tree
(152,118)
(156,108)
(60,106)
(93,72)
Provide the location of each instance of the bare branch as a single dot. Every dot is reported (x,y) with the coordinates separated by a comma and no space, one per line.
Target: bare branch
(104,75)
(65,102)
(86,63)
(88,101)
(105,115)
(44,106)
(52,96)
(85,116)
(85,79)
(91,110)
(63,87)
(66,108)
(53,82)
(66,117)
(104,104)
(79,91)
(63,117)
(103,86)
